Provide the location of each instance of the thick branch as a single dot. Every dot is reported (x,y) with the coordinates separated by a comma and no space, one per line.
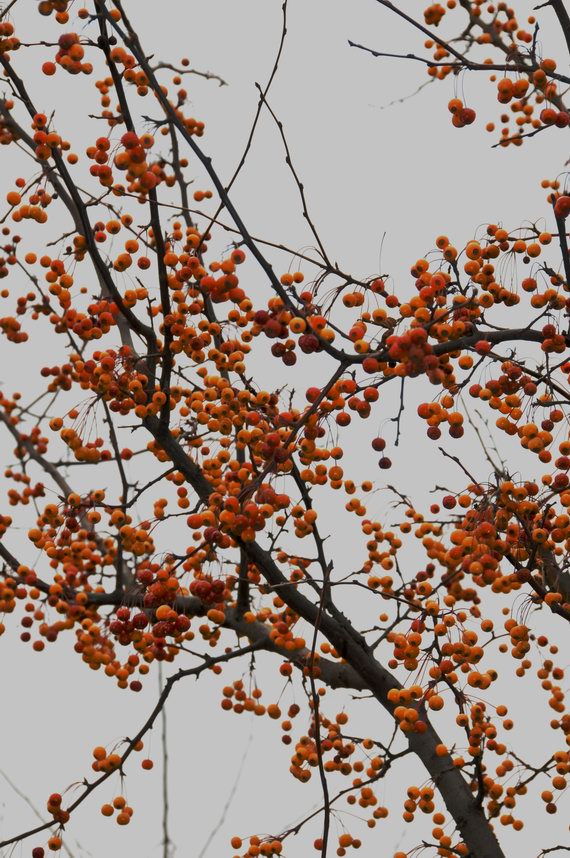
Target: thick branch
(469,817)
(561,13)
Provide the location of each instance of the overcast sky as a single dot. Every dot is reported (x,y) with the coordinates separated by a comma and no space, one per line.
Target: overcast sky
(382,182)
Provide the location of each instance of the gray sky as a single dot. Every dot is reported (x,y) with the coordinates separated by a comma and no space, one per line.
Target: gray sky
(381,184)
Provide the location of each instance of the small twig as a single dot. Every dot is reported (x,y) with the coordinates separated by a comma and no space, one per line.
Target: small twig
(32,807)
(298,182)
(249,142)
(316,718)
(229,799)
(554,849)
(207,664)
(164,742)
(5,11)
(181,71)
(461,465)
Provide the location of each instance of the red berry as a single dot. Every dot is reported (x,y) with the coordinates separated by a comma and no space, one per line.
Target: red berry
(548,116)
(483,347)
(562,207)
(467,115)
(130,140)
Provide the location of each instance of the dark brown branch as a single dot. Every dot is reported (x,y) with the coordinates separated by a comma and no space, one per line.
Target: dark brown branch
(242,604)
(5,11)
(465,62)
(455,66)
(457,796)
(172,116)
(165,302)
(144,331)
(563,241)
(563,16)
(183,71)
(331,673)
(103,42)
(316,721)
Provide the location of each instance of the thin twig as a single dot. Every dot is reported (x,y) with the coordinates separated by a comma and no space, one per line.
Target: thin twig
(207,664)
(32,807)
(229,799)
(164,743)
